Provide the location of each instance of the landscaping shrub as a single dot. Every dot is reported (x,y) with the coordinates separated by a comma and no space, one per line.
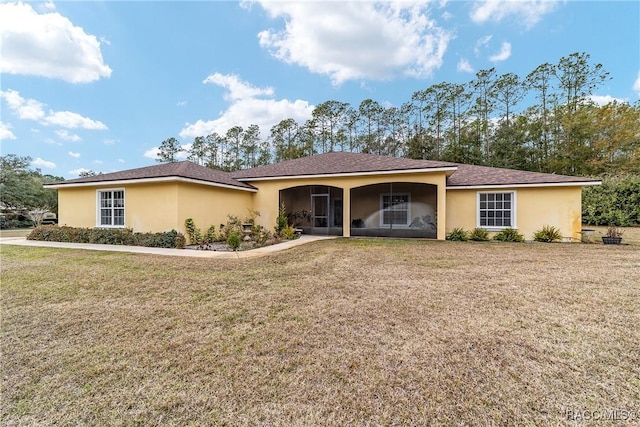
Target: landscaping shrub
(282,221)
(234,240)
(548,234)
(509,235)
(110,236)
(288,233)
(13,220)
(615,202)
(457,234)
(193,232)
(210,235)
(479,235)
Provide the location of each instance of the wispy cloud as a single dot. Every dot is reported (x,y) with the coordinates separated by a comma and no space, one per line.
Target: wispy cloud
(526,13)
(464,66)
(5,132)
(30,109)
(43,163)
(67,136)
(504,54)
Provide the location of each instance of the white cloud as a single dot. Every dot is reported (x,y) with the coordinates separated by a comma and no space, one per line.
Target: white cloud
(236,88)
(152,153)
(636,84)
(526,12)
(77,172)
(605,99)
(26,109)
(481,43)
(70,120)
(109,141)
(48,5)
(357,40)
(30,109)
(75,155)
(48,45)
(43,163)
(5,131)
(504,54)
(98,162)
(246,110)
(181,104)
(464,66)
(121,161)
(67,136)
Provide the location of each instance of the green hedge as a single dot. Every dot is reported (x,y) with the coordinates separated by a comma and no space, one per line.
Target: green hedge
(615,202)
(107,236)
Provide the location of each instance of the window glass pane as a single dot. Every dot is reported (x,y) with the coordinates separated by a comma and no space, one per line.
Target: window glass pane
(105,217)
(112,207)
(495,209)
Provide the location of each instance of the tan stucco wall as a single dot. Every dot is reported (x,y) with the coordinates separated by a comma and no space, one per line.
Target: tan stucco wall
(157,206)
(266,199)
(209,205)
(77,207)
(535,207)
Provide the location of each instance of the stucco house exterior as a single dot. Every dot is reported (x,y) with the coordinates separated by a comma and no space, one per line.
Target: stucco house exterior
(340,193)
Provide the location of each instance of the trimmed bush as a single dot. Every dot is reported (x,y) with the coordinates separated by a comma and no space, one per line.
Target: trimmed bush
(509,235)
(288,233)
(615,202)
(13,220)
(457,234)
(282,221)
(107,236)
(479,235)
(547,234)
(234,240)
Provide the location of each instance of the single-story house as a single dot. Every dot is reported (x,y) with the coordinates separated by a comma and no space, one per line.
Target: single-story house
(340,193)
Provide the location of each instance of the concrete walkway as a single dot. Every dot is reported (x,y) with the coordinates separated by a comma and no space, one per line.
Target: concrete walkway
(21,241)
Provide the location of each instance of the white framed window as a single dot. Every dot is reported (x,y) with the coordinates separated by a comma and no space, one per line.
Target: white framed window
(394,209)
(497,210)
(110,211)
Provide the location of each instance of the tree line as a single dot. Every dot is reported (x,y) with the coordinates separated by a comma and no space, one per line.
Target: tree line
(22,193)
(544,121)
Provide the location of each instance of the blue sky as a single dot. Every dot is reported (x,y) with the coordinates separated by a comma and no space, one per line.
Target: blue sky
(98,85)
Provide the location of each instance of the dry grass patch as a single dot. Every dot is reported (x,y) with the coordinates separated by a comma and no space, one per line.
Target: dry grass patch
(344,332)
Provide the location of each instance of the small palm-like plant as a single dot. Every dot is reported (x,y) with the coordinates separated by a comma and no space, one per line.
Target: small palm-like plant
(509,235)
(458,234)
(548,234)
(479,235)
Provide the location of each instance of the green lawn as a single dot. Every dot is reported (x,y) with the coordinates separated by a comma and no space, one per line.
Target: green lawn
(339,332)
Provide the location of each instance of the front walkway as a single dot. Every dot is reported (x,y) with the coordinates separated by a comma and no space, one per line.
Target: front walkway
(21,241)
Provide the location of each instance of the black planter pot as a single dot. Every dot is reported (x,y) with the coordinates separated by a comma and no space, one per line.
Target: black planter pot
(611,240)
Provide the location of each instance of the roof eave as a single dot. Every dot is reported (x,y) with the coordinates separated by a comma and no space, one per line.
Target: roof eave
(528,185)
(446,169)
(147,180)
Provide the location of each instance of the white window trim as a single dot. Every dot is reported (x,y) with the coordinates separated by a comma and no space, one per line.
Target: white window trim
(98,207)
(514,214)
(382,224)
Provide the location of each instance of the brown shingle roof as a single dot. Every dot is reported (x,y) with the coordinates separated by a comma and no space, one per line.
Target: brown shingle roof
(471,175)
(337,163)
(331,164)
(165,170)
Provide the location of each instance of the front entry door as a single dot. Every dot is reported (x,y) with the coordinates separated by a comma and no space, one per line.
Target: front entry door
(320,210)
